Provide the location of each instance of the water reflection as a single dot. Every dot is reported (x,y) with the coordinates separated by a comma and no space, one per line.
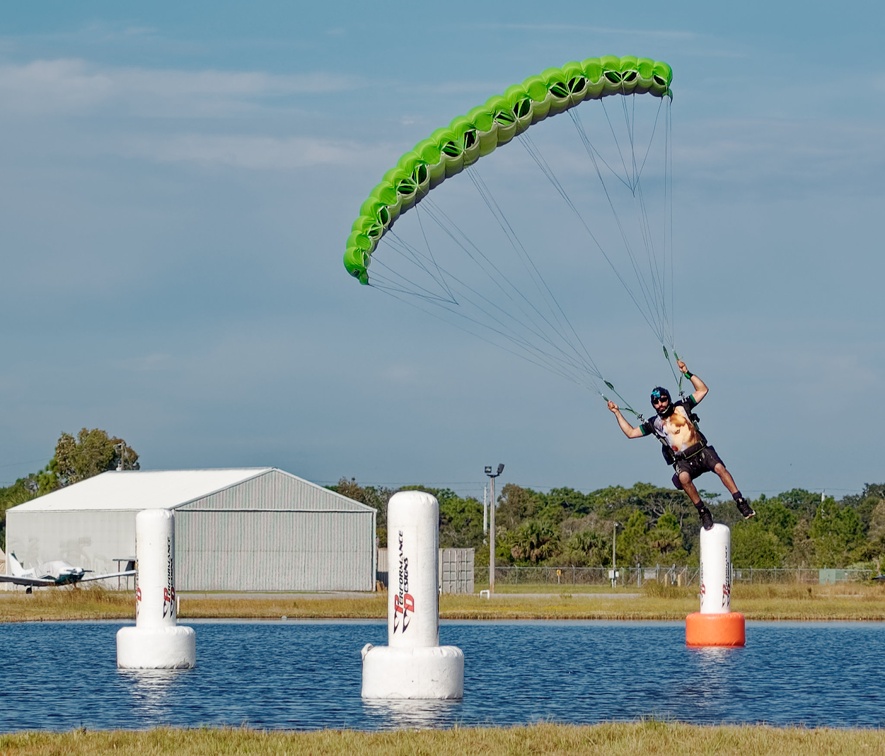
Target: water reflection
(152,690)
(412,714)
(713,684)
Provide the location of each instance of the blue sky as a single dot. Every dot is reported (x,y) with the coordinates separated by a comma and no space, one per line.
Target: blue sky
(178,182)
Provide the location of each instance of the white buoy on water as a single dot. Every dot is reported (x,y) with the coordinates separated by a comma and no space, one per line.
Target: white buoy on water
(716,570)
(715,624)
(156,641)
(413,664)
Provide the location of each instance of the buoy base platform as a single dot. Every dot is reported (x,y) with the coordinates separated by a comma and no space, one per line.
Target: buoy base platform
(172,647)
(727,629)
(393,672)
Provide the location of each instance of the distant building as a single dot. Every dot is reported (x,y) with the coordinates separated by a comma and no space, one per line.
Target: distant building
(455,570)
(254,529)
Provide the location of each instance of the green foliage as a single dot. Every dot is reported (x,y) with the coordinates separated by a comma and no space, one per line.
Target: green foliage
(515,505)
(799,501)
(837,534)
(753,546)
(91,453)
(656,526)
(371,496)
(632,545)
(665,541)
(460,523)
(585,548)
(773,516)
(533,542)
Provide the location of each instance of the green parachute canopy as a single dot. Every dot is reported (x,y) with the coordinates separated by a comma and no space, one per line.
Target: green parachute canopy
(448,150)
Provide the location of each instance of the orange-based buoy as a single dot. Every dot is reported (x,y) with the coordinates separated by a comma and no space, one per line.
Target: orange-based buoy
(715,629)
(715,624)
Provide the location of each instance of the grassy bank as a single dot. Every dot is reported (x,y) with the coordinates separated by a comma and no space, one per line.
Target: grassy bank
(612,739)
(847,601)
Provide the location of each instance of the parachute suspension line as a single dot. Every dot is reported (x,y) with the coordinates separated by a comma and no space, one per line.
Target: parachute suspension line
(521,350)
(625,405)
(441,279)
(668,199)
(424,262)
(646,307)
(545,168)
(656,297)
(677,376)
(398,281)
(452,304)
(657,286)
(657,267)
(552,334)
(520,347)
(562,320)
(466,299)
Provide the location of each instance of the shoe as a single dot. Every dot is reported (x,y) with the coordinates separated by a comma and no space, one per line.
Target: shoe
(706,517)
(744,508)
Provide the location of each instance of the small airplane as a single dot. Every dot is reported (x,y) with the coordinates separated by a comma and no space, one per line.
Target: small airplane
(53,574)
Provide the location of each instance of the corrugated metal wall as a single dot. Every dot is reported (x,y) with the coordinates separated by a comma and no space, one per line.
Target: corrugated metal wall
(275,533)
(455,570)
(89,539)
(274,551)
(276,489)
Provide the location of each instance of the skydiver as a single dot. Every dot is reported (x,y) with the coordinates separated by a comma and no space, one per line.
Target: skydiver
(684,446)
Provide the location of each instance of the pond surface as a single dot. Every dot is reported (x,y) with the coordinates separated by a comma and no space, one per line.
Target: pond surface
(305,675)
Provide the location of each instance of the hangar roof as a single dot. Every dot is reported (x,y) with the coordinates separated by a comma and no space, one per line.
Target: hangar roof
(146,489)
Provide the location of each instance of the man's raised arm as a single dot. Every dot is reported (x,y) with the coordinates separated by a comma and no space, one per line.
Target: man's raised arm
(700,388)
(629,430)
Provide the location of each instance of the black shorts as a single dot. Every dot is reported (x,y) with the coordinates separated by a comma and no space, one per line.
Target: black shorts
(697,464)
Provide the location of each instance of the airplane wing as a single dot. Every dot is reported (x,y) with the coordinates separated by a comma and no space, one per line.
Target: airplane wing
(25,580)
(125,573)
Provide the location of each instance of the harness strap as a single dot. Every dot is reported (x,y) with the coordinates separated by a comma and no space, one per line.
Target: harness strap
(692,451)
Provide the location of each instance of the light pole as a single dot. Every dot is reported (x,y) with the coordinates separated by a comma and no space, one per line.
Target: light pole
(492,504)
(614,553)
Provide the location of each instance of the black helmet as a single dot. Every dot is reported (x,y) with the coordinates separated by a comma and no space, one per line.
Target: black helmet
(659,392)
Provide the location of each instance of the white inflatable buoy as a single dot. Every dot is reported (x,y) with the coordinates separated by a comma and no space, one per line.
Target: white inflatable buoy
(715,624)
(156,641)
(413,664)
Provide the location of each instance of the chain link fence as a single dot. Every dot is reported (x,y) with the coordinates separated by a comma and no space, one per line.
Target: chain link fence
(672,575)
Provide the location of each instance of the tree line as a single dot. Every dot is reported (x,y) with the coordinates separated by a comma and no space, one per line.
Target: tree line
(565,527)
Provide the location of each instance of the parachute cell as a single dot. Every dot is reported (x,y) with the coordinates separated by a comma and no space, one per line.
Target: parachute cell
(447,151)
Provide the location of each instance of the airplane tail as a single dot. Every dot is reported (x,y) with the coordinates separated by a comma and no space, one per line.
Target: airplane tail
(15,567)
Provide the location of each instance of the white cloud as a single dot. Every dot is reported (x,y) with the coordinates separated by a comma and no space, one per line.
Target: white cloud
(770,154)
(250,152)
(76,86)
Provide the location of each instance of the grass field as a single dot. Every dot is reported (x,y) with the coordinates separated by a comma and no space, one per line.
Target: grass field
(844,601)
(651,737)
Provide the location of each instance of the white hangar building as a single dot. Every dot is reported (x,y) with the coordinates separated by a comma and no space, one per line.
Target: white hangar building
(256,529)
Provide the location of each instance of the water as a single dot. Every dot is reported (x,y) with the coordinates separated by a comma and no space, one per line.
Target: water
(298,675)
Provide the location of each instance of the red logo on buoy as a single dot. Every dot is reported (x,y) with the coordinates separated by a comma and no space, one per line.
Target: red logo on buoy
(169,602)
(403,601)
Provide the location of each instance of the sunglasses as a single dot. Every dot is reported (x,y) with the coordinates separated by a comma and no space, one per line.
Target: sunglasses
(659,399)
